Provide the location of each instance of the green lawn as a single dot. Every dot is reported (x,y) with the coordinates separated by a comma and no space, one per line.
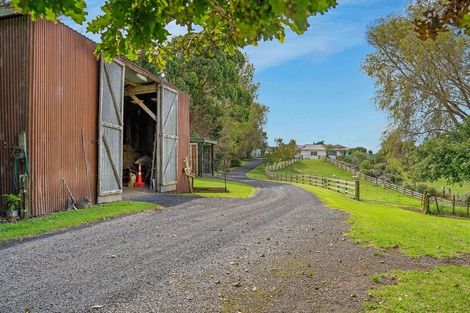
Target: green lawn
(235,189)
(370,193)
(68,219)
(380,221)
(444,289)
(460,189)
(257,173)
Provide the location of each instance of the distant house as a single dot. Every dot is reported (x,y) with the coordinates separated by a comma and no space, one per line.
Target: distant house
(320,150)
(256,153)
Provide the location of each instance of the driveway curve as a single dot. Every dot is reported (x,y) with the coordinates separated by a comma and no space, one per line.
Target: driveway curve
(279,251)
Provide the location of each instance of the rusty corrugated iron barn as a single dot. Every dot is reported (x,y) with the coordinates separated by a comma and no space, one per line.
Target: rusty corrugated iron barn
(79,114)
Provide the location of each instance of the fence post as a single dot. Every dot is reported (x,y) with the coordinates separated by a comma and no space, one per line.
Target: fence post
(425,203)
(357,190)
(468,204)
(453,205)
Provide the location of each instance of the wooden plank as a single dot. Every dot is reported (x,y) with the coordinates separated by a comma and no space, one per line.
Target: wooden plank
(144,107)
(140,90)
(113,165)
(113,96)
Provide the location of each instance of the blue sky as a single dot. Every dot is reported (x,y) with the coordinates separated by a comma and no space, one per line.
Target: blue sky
(313,83)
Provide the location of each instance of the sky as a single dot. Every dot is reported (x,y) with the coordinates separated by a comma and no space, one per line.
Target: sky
(313,83)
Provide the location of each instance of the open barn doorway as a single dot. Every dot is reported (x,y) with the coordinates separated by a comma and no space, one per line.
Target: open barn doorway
(140,125)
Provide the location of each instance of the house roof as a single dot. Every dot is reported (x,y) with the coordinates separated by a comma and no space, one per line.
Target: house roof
(310,147)
(322,147)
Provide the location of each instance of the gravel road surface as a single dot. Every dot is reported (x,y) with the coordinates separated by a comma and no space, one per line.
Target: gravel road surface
(280,251)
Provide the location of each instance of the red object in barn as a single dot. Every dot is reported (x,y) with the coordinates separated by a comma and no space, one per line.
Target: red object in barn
(139,183)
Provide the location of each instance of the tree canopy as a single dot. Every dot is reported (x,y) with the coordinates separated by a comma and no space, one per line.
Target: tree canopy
(133,27)
(438,16)
(445,156)
(223,100)
(283,151)
(424,86)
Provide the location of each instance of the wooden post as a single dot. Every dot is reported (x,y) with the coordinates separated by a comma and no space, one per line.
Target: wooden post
(357,190)
(468,204)
(453,205)
(425,203)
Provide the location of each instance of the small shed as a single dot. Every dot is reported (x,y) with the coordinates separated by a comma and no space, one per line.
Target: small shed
(77,115)
(202,156)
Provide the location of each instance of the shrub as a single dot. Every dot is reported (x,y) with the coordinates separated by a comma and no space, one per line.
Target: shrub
(235,163)
(421,187)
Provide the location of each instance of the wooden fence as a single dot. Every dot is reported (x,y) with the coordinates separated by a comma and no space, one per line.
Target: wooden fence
(401,189)
(346,187)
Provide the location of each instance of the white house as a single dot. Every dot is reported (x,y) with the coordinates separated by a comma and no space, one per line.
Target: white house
(319,151)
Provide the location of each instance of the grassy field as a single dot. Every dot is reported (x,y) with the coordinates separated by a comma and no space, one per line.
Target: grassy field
(69,219)
(379,223)
(235,189)
(380,220)
(460,189)
(444,289)
(370,193)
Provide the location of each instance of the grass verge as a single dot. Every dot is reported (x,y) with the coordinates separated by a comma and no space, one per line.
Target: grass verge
(235,189)
(380,221)
(69,219)
(444,289)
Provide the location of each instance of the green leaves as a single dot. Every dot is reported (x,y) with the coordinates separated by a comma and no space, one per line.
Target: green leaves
(446,156)
(422,85)
(138,27)
(51,9)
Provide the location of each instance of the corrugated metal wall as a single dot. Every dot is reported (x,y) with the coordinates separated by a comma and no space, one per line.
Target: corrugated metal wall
(63,100)
(49,83)
(183,140)
(14,60)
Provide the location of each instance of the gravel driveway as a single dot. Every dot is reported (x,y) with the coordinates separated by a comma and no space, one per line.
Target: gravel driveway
(280,251)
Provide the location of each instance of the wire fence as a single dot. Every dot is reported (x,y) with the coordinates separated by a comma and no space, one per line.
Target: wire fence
(437,205)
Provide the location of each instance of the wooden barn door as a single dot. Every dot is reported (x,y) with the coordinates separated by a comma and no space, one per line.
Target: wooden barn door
(110,125)
(169,139)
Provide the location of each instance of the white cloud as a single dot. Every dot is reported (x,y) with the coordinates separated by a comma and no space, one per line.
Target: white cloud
(338,30)
(321,41)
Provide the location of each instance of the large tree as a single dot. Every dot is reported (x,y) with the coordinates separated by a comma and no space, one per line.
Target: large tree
(220,85)
(223,100)
(445,156)
(424,86)
(132,27)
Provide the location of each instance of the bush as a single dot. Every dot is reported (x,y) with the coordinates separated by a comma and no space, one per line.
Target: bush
(366,165)
(431,191)
(235,163)
(421,187)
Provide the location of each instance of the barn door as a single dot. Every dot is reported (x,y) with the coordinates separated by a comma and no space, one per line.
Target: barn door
(169,138)
(110,125)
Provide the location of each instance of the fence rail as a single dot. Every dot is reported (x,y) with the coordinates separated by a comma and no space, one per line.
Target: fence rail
(346,187)
(391,186)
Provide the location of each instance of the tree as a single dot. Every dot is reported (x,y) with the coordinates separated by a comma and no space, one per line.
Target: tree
(223,100)
(218,86)
(439,16)
(283,151)
(395,146)
(135,27)
(445,156)
(424,86)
